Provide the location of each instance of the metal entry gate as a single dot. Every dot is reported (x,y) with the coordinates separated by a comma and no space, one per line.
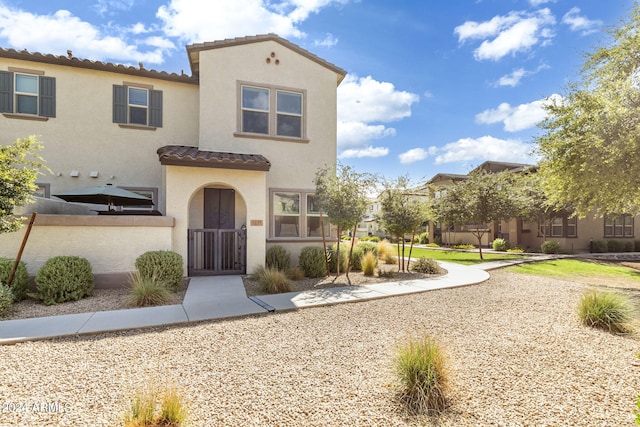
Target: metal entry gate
(217,251)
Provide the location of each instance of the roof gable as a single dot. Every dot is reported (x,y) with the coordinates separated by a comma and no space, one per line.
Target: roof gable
(193,51)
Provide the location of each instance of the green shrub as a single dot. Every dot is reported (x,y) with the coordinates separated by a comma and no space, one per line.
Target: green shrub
(278,258)
(421,371)
(391,259)
(313,261)
(606,310)
(463,246)
(6,300)
(636,245)
(437,241)
(369,263)
(344,254)
(295,273)
(500,245)
(64,278)
(423,239)
(359,250)
(433,245)
(629,246)
(272,281)
(615,245)
(425,265)
(164,266)
(375,239)
(20,284)
(147,291)
(600,246)
(516,250)
(550,247)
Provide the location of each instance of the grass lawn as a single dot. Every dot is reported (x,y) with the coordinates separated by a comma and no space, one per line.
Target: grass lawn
(573,268)
(459,257)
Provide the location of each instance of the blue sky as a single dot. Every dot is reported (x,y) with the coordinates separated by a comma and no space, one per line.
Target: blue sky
(433,86)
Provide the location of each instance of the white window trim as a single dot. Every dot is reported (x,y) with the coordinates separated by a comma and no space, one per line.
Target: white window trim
(302,216)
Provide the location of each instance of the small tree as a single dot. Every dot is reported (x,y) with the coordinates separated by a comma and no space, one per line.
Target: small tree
(341,194)
(478,201)
(402,211)
(19,167)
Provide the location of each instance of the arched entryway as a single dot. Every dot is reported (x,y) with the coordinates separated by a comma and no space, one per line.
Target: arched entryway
(217,233)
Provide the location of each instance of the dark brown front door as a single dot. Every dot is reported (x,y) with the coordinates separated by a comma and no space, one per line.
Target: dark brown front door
(219,208)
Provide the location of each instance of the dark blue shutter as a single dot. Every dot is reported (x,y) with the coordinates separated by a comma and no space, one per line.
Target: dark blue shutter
(6,92)
(47,96)
(119,104)
(155,108)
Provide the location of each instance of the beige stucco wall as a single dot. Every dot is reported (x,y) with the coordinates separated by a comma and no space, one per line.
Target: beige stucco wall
(184,191)
(111,244)
(293,164)
(83,137)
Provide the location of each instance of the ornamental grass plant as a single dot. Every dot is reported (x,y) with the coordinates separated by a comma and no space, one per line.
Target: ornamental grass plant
(606,310)
(422,375)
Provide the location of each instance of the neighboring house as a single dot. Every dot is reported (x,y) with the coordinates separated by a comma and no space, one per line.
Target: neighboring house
(369,225)
(573,234)
(228,155)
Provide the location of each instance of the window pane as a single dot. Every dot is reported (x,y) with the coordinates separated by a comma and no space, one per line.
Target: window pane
(254,98)
(26,84)
(138,115)
(289,125)
(27,104)
(255,122)
(289,103)
(312,206)
(286,203)
(628,226)
(137,96)
(313,226)
(286,226)
(572,227)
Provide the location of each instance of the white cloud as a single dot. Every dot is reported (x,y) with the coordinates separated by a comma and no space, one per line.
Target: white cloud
(580,23)
(364,152)
(510,34)
(204,20)
(328,41)
(106,7)
(536,3)
(62,31)
(516,118)
(364,106)
(513,79)
(485,148)
(415,155)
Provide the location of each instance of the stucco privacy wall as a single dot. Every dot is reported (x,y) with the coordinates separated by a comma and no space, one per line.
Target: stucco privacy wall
(83,137)
(110,243)
(184,183)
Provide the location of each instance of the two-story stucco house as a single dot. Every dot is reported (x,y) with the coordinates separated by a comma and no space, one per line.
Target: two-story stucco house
(228,154)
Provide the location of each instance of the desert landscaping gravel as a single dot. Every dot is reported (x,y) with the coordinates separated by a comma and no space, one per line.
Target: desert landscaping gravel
(517,356)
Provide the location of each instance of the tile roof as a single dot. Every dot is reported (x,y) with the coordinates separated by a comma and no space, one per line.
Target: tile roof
(72,61)
(182,155)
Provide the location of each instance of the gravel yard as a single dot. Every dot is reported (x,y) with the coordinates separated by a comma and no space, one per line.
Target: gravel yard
(518,356)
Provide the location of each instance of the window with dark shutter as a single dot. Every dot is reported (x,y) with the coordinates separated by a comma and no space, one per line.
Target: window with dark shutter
(47,96)
(137,106)
(6,92)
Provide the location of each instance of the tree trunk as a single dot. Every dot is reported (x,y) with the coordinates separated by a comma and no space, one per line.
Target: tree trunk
(353,240)
(413,236)
(324,245)
(338,254)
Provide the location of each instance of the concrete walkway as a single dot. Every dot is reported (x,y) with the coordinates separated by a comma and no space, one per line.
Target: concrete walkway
(224,297)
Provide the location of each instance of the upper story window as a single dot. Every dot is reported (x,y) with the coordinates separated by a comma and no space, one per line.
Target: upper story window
(270,111)
(28,93)
(137,105)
